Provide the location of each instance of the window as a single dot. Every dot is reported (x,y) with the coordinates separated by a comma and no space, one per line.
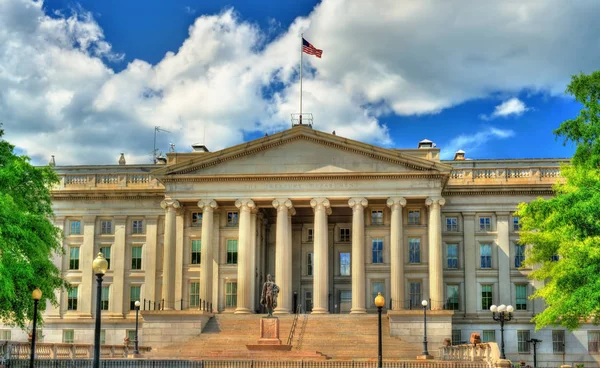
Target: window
(414,217)
(131,335)
(519,255)
(232,218)
(230,294)
(377,246)
(68,336)
(197,219)
(486,297)
(451,224)
(232,249)
(74,258)
(106,227)
(345,264)
(136,258)
(106,253)
(521,297)
(593,341)
(194,294)
(309,263)
(376,288)
(456,337)
(558,341)
(452,255)
(309,235)
(414,250)
(488,336)
(308,300)
(452,291)
(486,255)
(134,295)
(75,227)
(522,344)
(72,299)
(415,294)
(196,251)
(485,224)
(344,235)
(377,217)
(102,337)
(104,298)
(516,223)
(5,335)
(138,227)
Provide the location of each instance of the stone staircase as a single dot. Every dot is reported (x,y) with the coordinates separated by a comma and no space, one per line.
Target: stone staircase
(317,337)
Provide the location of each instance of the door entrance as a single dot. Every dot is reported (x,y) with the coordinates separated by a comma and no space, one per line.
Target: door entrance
(345,301)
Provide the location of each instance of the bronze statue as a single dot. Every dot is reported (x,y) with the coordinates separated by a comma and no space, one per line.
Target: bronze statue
(268,297)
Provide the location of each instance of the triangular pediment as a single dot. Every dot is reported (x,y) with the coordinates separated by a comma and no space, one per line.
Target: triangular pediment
(302,150)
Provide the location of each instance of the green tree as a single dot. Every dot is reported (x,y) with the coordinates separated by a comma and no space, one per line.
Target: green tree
(568,225)
(28,237)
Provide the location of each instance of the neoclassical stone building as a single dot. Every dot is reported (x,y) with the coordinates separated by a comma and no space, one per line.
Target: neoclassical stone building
(334,220)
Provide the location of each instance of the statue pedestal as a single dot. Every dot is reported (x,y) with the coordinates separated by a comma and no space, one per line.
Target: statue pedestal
(269,336)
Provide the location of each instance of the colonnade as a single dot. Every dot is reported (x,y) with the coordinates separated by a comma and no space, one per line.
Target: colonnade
(283,252)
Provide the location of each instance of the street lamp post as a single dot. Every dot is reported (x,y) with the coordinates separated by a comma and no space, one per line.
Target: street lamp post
(36,295)
(100,265)
(379,303)
(424,304)
(535,342)
(502,314)
(135,343)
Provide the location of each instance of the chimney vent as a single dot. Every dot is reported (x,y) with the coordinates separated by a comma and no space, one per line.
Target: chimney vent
(198,147)
(459,155)
(426,143)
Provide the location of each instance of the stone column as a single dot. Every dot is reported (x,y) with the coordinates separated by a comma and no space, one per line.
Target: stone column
(150,266)
(321,208)
(288,271)
(502,224)
(87,254)
(396,204)
(168,280)
(208,207)
(244,243)
(283,255)
(358,254)
(54,311)
(253,260)
(180,242)
(436,282)
(120,296)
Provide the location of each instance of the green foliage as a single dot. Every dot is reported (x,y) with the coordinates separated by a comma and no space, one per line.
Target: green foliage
(568,225)
(28,237)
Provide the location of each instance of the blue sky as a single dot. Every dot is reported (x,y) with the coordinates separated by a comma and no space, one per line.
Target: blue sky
(90,79)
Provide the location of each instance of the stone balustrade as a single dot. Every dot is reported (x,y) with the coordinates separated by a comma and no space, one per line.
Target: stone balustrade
(43,350)
(487,352)
(107,181)
(483,176)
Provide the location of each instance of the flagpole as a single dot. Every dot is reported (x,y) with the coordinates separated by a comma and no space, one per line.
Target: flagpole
(301,52)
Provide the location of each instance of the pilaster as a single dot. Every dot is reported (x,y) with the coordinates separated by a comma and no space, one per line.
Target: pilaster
(117,264)
(470,262)
(57,259)
(502,227)
(87,254)
(150,266)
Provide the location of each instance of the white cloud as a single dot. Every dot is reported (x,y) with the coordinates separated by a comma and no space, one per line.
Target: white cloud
(512,107)
(189,10)
(473,142)
(59,95)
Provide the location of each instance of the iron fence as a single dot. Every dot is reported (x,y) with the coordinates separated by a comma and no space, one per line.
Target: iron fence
(142,363)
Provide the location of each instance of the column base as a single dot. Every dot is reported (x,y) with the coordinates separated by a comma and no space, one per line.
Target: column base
(242,310)
(319,311)
(358,311)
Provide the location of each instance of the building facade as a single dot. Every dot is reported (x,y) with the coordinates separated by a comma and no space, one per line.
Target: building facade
(335,221)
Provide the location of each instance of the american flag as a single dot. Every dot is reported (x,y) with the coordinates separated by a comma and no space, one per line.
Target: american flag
(308,48)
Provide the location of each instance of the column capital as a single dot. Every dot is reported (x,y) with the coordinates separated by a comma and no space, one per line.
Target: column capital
(170,203)
(321,203)
(208,205)
(281,203)
(292,212)
(502,214)
(435,201)
(358,203)
(395,202)
(245,204)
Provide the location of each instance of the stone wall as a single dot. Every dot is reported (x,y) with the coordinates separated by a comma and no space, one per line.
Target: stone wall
(164,328)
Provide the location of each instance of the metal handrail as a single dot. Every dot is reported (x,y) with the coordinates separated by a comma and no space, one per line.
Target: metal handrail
(294,323)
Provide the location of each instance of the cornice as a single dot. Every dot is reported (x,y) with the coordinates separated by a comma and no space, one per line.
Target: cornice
(305,177)
(106,195)
(499,191)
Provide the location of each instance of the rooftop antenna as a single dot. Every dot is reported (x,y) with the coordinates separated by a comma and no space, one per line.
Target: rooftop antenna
(156,130)
(171,147)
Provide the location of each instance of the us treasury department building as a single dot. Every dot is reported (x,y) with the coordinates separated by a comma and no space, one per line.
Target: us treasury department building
(335,221)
